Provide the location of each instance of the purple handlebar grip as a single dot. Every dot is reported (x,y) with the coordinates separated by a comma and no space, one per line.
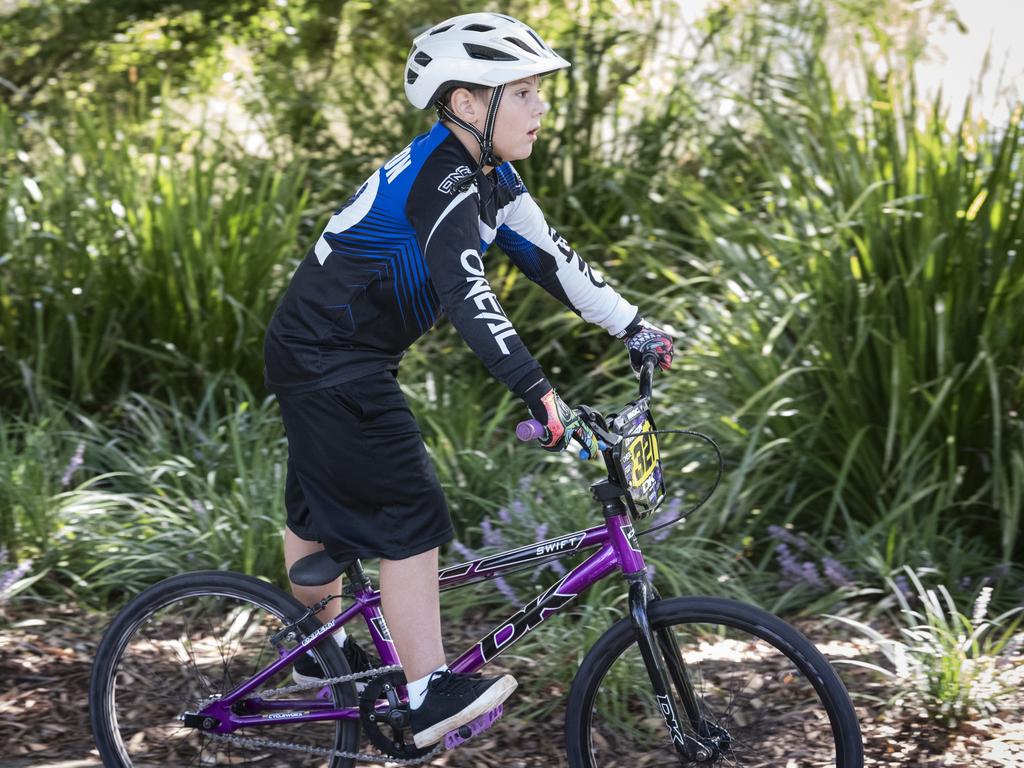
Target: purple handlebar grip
(530,429)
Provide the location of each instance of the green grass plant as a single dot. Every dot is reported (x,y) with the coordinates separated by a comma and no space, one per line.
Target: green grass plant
(946,664)
(156,489)
(844,279)
(132,259)
(468,423)
(862,336)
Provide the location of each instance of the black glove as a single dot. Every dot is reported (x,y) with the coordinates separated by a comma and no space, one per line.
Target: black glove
(641,338)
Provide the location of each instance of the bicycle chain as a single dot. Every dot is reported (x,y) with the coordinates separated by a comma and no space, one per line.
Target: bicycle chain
(320,683)
(362,757)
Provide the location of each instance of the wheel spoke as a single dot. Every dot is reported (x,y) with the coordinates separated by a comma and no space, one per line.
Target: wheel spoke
(749,675)
(172,651)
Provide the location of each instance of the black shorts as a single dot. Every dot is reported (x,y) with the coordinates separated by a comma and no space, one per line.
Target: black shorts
(359,478)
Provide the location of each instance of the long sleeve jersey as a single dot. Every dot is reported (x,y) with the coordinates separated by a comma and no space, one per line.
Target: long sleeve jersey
(408,246)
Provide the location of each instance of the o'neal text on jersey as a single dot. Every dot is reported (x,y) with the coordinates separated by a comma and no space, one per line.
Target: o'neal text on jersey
(482,295)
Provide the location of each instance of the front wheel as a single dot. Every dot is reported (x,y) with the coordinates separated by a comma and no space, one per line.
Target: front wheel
(766,696)
(188,640)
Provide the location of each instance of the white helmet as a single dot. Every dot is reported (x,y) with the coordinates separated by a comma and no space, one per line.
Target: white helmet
(488,49)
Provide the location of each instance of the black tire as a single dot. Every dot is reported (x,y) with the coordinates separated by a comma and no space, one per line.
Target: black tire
(754,676)
(191,637)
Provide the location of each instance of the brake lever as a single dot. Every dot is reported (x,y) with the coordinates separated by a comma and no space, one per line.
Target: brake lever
(598,426)
(532,429)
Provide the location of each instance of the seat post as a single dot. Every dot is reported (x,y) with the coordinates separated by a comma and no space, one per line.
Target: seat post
(357,579)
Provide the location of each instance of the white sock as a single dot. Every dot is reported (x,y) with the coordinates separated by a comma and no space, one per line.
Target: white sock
(339,637)
(418,688)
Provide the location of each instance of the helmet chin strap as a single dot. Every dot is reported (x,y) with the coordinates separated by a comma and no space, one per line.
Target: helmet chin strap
(485,139)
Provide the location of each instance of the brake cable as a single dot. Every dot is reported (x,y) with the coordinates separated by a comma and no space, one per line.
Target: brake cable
(718,478)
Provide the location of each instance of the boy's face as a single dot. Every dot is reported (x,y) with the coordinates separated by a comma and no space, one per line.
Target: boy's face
(518,119)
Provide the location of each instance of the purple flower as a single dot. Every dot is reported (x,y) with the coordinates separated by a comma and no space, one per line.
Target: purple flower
(788,563)
(903,585)
(668,513)
(492,537)
(505,589)
(499,583)
(9,578)
(837,573)
(796,541)
(811,577)
(73,466)
(504,516)
(463,550)
(795,572)
(662,534)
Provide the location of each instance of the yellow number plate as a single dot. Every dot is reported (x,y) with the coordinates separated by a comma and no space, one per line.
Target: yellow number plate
(643,453)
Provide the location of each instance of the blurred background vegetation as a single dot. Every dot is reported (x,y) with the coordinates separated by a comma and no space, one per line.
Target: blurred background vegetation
(842,267)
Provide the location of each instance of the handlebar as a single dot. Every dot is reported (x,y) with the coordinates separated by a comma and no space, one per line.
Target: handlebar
(623,425)
(647,367)
(531,429)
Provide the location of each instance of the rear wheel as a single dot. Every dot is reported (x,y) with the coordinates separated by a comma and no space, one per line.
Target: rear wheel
(766,696)
(192,638)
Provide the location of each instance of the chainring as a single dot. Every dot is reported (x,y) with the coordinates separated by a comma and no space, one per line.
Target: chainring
(394,719)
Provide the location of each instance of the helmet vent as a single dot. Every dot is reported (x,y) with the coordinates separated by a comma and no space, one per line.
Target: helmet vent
(487,54)
(410,77)
(539,41)
(519,43)
(422,59)
(478,28)
(439,30)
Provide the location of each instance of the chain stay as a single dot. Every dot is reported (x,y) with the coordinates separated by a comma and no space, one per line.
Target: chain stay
(362,757)
(270,692)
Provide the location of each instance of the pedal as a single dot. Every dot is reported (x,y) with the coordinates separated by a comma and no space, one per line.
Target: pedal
(463,733)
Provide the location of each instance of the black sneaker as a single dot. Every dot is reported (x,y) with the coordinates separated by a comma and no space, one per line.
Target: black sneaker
(453,700)
(308,671)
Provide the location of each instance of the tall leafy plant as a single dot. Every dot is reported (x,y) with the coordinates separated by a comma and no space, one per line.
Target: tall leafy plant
(126,254)
(870,287)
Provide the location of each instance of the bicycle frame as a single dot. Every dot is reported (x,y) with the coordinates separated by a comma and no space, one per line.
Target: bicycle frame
(617,549)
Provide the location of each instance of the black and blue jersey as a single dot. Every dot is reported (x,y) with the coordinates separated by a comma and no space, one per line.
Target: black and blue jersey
(407,247)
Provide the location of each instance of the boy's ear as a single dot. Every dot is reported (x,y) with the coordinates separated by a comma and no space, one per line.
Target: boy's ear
(464,104)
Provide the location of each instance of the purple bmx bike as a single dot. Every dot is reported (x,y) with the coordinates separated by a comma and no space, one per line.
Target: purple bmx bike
(197,669)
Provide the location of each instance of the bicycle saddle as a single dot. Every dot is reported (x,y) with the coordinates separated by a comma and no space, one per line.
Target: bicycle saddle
(318,569)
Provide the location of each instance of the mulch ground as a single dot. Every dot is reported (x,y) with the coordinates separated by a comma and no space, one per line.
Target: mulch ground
(45,659)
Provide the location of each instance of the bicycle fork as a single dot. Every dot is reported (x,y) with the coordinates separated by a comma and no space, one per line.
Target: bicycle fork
(657,654)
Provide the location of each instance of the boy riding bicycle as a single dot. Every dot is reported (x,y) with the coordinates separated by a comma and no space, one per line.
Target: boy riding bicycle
(407,246)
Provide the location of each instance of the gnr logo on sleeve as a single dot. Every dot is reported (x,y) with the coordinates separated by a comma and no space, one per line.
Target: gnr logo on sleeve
(453,180)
